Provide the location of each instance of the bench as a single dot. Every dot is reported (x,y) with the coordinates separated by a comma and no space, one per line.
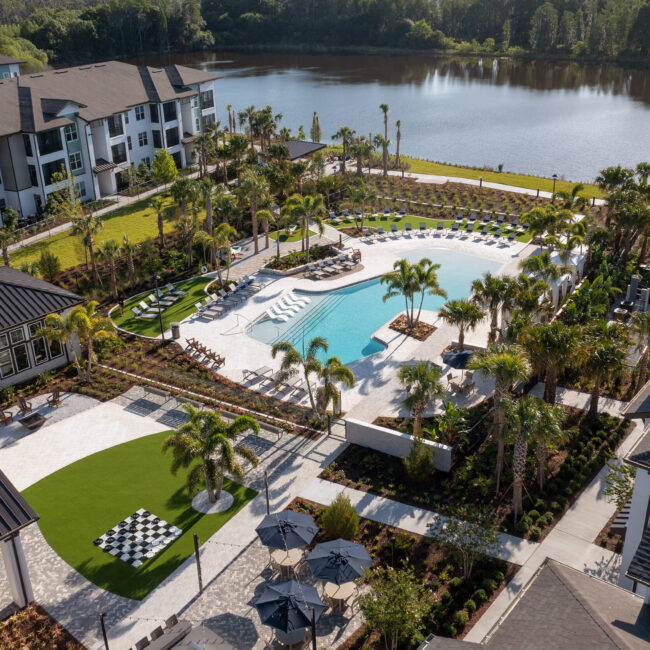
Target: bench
(152,390)
(196,404)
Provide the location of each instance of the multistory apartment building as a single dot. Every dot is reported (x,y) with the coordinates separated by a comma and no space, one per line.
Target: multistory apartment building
(94,121)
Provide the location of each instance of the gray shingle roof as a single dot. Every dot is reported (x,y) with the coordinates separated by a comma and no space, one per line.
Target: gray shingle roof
(639,568)
(639,455)
(24,298)
(301,148)
(7,60)
(15,512)
(639,405)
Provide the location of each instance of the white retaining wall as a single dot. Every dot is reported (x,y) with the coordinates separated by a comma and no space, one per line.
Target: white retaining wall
(393,442)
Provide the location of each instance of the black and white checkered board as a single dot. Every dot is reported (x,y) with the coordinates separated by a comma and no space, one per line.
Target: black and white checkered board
(138,537)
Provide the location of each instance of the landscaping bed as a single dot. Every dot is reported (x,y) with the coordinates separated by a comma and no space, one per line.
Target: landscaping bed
(471,480)
(34,629)
(608,539)
(434,567)
(298,258)
(421,331)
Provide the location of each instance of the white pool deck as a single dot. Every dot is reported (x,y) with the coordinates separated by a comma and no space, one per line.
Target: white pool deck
(376,391)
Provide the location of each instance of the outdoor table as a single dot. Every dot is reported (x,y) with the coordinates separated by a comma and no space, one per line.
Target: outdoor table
(338,594)
(286,560)
(291,638)
(235,250)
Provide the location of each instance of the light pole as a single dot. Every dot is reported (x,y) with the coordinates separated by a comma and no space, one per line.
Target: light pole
(554,177)
(155,279)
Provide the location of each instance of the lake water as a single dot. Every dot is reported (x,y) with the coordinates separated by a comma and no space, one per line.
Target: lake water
(535,117)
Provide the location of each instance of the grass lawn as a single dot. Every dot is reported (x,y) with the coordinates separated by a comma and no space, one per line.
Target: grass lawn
(137,220)
(400,222)
(84,500)
(176,312)
(285,236)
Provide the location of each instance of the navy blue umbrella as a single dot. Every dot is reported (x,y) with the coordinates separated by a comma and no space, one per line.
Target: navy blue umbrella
(458,358)
(287,530)
(339,561)
(287,606)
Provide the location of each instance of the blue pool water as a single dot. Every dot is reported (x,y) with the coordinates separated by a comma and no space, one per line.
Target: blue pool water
(348,317)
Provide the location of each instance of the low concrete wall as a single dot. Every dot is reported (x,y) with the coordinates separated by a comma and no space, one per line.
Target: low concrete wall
(392,442)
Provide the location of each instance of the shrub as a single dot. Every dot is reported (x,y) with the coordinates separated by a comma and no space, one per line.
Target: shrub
(524,524)
(340,519)
(460,619)
(603,540)
(499,576)
(470,606)
(533,514)
(489,585)
(419,463)
(535,532)
(446,597)
(480,596)
(448,630)
(539,504)
(455,583)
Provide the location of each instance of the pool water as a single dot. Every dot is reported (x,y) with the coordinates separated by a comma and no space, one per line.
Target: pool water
(348,317)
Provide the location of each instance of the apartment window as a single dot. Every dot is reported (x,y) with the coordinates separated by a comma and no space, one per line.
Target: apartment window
(81,188)
(49,169)
(32,175)
(126,118)
(147,161)
(129,142)
(115,126)
(70,131)
(27,141)
(49,142)
(171,136)
(153,112)
(14,356)
(197,124)
(75,161)
(208,119)
(207,99)
(169,111)
(143,141)
(195,102)
(119,153)
(157,142)
(139,113)
(177,159)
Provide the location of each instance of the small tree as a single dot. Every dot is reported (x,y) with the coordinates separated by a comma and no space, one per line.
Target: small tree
(340,520)
(419,463)
(422,384)
(163,168)
(396,606)
(471,532)
(464,314)
(620,483)
(49,265)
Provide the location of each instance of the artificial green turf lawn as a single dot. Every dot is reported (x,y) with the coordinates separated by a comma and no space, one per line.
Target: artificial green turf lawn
(137,220)
(294,236)
(176,312)
(84,500)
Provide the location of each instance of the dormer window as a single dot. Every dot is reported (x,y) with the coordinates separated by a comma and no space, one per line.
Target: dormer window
(71,134)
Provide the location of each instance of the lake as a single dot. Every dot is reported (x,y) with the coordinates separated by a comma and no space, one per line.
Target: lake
(535,117)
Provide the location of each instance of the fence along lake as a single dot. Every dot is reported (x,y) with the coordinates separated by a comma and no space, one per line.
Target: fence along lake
(534,117)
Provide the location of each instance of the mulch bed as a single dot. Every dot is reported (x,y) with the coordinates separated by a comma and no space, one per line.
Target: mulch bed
(421,331)
(33,628)
(609,540)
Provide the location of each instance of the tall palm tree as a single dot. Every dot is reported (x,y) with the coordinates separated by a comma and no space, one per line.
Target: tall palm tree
(507,365)
(129,249)
(204,147)
(398,137)
(345,134)
(265,217)
(157,204)
(573,200)
(361,148)
(88,225)
(489,291)
(464,314)
(543,268)
(308,210)
(205,190)
(423,385)
(330,372)
(256,187)
(384,108)
(401,281)
(426,279)
(641,329)
(209,439)
(383,144)
(293,362)
(548,433)
(237,146)
(247,116)
(612,180)
(110,252)
(551,347)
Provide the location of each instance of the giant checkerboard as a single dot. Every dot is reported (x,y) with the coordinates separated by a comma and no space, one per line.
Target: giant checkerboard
(138,537)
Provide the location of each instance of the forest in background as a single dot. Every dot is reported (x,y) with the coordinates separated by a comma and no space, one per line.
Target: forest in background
(70,31)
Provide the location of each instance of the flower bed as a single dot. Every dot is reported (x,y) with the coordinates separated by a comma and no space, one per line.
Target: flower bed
(33,628)
(433,566)
(421,331)
(569,469)
(298,258)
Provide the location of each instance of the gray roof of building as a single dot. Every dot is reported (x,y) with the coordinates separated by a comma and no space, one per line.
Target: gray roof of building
(32,102)
(566,609)
(15,512)
(639,455)
(301,148)
(639,406)
(8,60)
(24,298)
(639,568)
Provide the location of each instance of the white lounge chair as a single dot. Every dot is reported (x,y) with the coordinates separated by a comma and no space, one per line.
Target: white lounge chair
(317,272)
(172,289)
(275,316)
(305,299)
(282,304)
(148,308)
(139,314)
(292,300)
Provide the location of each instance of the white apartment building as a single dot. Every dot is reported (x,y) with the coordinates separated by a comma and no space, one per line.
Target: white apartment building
(95,121)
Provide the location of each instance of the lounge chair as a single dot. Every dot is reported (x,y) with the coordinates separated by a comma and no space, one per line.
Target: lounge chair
(515,223)
(325,268)
(386,210)
(511,237)
(345,261)
(423,228)
(454,228)
(229,297)
(24,406)
(293,300)
(459,215)
(148,308)
(500,220)
(276,316)
(381,235)
(486,218)
(472,216)
(332,216)
(158,302)
(439,228)
(333,265)
(317,272)
(172,289)
(402,212)
(395,233)
(286,306)
(139,314)
(408,229)
(357,212)
(485,231)
(367,237)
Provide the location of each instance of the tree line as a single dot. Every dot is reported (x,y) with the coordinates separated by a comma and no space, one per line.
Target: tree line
(75,31)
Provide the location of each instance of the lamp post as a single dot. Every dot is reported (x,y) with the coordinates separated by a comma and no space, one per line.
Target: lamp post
(155,279)
(554,177)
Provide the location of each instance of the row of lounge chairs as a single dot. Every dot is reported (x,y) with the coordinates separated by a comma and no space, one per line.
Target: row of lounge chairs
(294,388)
(158,302)
(356,214)
(217,304)
(289,305)
(199,350)
(332,266)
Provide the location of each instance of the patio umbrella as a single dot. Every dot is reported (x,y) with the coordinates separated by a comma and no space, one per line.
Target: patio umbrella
(287,606)
(287,530)
(458,359)
(339,561)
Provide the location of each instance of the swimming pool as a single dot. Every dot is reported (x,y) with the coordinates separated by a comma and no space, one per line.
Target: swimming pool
(348,317)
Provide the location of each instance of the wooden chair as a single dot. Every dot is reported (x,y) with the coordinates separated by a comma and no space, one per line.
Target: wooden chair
(6,417)
(55,398)
(24,406)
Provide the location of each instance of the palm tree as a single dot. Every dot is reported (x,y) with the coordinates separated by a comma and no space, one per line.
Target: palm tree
(205,189)
(129,250)
(208,439)
(490,292)
(293,362)
(464,314)
(383,143)
(157,204)
(8,231)
(330,372)
(613,180)
(641,329)
(237,146)
(248,116)
(573,201)
(507,365)
(422,384)
(551,348)
(254,185)
(182,190)
(222,240)
(88,225)
(265,217)
(345,134)
(398,137)
(110,252)
(61,330)
(426,279)
(384,108)
(361,147)
(401,281)
(204,147)
(361,195)
(548,433)
(542,267)
(307,209)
